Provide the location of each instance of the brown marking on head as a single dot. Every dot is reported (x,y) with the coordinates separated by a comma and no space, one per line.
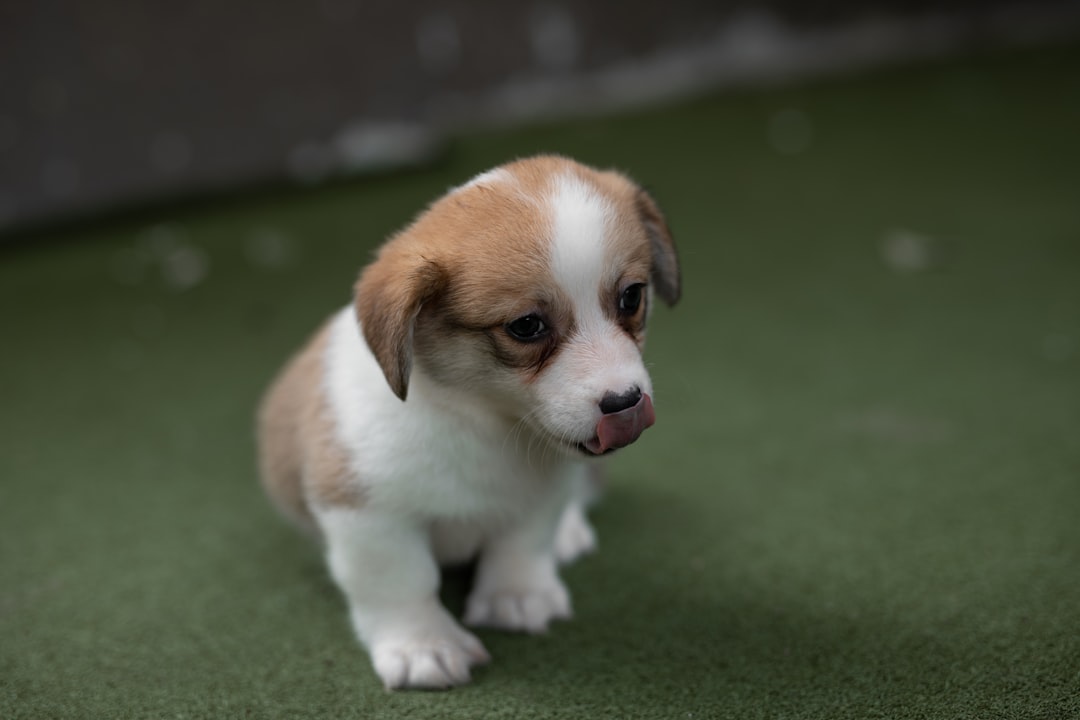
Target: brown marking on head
(440,278)
(479,257)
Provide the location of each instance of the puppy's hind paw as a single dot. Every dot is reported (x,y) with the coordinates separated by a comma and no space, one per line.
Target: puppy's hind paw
(575,536)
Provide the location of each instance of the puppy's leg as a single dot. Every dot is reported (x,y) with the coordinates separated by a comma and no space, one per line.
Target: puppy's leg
(575,536)
(390,578)
(517,583)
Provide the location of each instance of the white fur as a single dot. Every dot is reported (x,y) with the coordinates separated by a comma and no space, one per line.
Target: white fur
(431,456)
(441,483)
(575,536)
(444,477)
(580,227)
(600,358)
(384,566)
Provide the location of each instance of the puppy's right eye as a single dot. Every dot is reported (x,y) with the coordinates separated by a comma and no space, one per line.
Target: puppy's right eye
(527,328)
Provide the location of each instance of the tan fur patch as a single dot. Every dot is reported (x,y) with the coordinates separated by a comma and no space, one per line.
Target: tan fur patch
(301,461)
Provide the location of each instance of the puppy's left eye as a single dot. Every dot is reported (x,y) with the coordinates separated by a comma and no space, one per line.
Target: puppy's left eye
(630,300)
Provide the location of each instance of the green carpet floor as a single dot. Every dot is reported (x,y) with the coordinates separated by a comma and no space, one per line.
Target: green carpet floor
(861,498)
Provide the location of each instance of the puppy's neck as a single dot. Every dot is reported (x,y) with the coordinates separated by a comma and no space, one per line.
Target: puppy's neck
(465,403)
(482,415)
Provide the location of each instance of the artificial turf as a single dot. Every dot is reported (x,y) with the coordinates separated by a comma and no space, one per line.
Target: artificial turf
(861,499)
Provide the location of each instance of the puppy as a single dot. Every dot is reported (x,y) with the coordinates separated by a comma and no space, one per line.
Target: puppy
(450,413)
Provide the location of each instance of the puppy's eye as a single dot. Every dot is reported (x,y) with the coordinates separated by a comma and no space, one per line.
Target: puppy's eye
(630,300)
(527,328)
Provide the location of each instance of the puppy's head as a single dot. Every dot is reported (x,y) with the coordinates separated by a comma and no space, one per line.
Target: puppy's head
(529,288)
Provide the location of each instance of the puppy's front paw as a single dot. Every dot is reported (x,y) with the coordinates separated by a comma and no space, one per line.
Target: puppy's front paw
(431,658)
(529,609)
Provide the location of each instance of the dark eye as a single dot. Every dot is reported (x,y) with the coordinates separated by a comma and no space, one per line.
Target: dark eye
(630,300)
(527,328)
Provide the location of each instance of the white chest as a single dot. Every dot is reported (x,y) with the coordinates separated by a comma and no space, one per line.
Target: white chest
(418,458)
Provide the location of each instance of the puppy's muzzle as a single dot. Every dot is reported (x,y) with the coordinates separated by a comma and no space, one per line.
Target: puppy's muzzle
(625,417)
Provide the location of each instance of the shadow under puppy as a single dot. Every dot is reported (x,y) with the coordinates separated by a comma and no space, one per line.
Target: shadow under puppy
(493,350)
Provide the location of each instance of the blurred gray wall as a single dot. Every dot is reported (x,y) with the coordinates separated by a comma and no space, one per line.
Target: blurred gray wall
(105,104)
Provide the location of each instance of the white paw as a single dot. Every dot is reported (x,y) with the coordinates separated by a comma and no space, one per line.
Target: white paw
(427,657)
(575,536)
(528,609)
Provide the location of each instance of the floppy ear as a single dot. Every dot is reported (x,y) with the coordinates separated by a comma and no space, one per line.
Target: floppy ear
(665,262)
(389,295)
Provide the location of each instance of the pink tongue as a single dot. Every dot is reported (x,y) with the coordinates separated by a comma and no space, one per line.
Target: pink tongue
(619,429)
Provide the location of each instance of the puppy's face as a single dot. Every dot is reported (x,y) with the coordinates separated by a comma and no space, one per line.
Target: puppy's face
(529,288)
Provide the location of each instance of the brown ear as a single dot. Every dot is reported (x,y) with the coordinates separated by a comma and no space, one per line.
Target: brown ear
(665,261)
(389,295)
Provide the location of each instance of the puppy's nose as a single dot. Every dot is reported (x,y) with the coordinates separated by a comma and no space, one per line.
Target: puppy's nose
(613,402)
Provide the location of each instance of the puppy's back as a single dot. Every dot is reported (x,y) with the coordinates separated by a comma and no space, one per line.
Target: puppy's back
(287,410)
